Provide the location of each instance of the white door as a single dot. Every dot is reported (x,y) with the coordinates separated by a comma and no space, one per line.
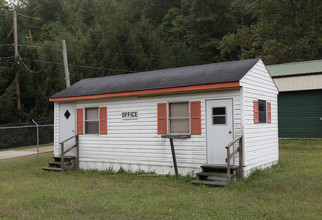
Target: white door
(67,123)
(219,129)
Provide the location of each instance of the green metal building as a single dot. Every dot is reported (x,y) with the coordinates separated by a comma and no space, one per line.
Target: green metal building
(300,98)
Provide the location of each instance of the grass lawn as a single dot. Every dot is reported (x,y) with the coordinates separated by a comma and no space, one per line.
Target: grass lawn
(290,190)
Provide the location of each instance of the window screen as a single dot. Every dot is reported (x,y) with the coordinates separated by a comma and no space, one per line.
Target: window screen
(179,118)
(219,115)
(262,111)
(91,121)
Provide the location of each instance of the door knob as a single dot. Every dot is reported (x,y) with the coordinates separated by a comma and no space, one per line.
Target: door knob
(229,132)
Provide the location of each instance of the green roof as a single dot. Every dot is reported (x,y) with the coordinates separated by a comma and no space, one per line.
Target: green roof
(288,69)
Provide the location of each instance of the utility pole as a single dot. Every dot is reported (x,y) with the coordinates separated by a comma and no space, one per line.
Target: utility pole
(66,64)
(15,34)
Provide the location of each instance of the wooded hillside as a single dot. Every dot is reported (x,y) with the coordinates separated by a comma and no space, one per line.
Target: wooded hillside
(107,37)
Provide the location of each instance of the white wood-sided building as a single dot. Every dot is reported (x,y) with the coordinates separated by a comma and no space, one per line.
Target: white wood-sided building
(126,120)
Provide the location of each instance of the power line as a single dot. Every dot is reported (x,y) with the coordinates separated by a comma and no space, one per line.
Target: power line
(107,53)
(102,68)
(28,16)
(74,65)
(25,64)
(5,58)
(89,51)
(57,63)
(42,61)
(6,45)
(23,45)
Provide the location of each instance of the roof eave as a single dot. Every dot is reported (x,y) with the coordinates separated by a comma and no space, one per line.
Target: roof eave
(298,74)
(149,92)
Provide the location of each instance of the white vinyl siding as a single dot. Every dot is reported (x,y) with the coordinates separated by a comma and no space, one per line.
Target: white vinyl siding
(56,129)
(135,144)
(298,83)
(260,140)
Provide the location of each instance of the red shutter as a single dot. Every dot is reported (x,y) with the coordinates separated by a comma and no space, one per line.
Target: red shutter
(195,116)
(256,114)
(103,120)
(162,118)
(269,113)
(79,119)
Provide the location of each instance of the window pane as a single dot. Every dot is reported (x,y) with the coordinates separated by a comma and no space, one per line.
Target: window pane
(262,111)
(91,114)
(219,111)
(262,117)
(179,125)
(91,127)
(179,109)
(261,105)
(219,120)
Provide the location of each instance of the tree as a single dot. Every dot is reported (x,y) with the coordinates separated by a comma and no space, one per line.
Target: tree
(285,31)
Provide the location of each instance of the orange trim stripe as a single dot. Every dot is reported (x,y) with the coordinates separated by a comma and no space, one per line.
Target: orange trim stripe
(150,91)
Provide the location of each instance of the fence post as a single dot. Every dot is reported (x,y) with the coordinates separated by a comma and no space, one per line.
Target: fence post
(37,139)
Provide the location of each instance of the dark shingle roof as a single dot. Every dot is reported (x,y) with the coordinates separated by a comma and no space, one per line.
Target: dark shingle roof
(167,78)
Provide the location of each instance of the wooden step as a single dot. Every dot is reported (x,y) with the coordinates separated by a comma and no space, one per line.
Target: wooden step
(213,174)
(52,169)
(219,167)
(208,183)
(58,164)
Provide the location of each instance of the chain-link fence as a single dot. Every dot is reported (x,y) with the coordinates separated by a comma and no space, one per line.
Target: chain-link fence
(25,135)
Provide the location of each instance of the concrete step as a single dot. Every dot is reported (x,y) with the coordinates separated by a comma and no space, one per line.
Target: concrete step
(208,183)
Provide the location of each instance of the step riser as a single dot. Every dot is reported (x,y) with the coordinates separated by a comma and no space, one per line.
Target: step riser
(217,178)
(58,165)
(65,159)
(214,170)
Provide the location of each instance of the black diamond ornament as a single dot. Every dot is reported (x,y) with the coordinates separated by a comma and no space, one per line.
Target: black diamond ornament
(67,114)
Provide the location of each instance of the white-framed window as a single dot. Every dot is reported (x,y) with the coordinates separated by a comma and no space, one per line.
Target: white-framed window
(179,118)
(91,121)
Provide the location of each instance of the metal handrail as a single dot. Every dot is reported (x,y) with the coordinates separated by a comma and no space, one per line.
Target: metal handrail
(229,156)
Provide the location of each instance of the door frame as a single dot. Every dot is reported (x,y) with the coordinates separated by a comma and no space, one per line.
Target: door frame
(232,121)
(60,114)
